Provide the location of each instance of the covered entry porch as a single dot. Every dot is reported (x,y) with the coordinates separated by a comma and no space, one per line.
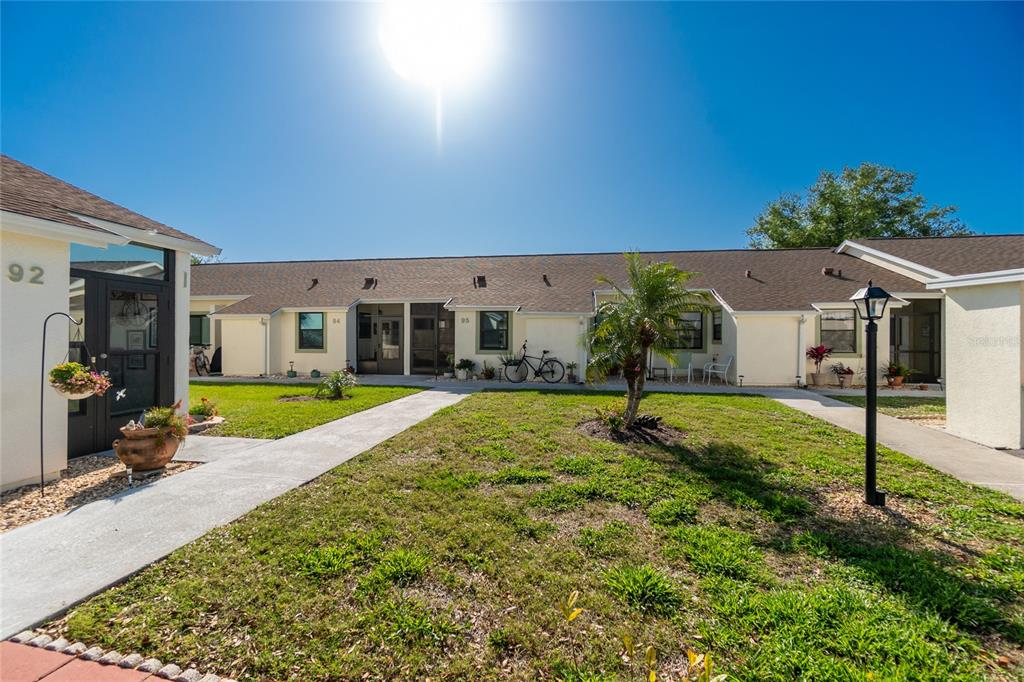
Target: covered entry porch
(403,338)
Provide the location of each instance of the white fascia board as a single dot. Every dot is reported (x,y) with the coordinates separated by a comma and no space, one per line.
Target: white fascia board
(377,301)
(213,297)
(152,238)
(49,229)
(911,295)
(545,313)
(854,249)
(771,313)
(721,302)
(313,309)
(977,279)
(241,315)
(513,308)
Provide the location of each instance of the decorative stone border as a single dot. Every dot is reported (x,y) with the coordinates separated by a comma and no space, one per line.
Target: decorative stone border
(199,427)
(131,661)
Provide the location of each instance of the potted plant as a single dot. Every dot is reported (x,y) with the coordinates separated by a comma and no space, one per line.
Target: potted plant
(488,372)
(896,373)
(463,367)
(203,415)
(291,370)
(818,354)
(449,364)
(152,444)
(75,381)
(844,374)
(571,369)
(314,374)
(334,385)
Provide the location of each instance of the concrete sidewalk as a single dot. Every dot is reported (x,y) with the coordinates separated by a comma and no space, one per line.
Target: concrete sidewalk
(47,566)
(957,457)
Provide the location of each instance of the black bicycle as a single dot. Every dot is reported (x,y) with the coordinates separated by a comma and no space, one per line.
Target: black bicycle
(548,369)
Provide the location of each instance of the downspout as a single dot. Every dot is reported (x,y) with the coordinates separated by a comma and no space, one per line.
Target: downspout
(801,365)
(266,346)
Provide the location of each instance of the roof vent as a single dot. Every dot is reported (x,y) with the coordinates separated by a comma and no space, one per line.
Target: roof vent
(315,282)
(546,280)
(480,281)
(747,274)
(828,272)
(370,283)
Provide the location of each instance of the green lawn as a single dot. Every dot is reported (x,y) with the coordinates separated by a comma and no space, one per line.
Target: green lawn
(255,411)
(445,551)
(899,406)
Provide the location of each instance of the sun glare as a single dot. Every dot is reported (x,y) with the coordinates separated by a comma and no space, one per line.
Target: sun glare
(439,45)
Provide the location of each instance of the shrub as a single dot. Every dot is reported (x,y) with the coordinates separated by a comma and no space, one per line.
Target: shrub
(334,385)
(205,408)
(643,588)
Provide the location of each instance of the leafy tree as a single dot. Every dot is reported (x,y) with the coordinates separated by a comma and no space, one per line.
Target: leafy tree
(859,203)
(203,260)
(644,318)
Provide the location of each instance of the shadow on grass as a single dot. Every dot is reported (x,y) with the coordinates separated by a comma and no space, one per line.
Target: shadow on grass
(886,554)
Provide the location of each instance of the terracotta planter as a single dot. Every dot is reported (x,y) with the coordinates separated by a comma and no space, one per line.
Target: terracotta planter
(818,378)
(146,449)
(895,382)
(81,395)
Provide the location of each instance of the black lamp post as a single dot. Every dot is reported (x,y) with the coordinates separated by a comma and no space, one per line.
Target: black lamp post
(871,302)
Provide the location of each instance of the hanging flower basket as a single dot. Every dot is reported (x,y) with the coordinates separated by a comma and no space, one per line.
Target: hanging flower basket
(75,381)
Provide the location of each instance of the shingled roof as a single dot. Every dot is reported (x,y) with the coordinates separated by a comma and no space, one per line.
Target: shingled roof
(957,255)
(788,279)
(31,192)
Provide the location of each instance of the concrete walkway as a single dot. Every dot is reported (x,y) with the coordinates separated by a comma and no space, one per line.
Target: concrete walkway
(47,566)
(961,458)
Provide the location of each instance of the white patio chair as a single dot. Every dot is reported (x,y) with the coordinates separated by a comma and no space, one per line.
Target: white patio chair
(718,369)
(685,363)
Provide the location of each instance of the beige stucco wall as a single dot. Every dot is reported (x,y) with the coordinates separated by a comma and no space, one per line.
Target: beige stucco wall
(182,283)
(206,307)
(984,364)
(768,349)
(24,307)
(284,343)
(244,343)
(558,334)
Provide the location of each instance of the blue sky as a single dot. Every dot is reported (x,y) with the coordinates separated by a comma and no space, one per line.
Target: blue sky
(278,131)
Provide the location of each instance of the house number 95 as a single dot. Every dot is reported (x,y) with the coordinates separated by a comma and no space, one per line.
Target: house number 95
(16,273)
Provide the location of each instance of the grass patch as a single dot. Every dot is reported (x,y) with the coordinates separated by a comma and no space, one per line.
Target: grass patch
(747,539)
(253,410)
(643,588)
(899,406)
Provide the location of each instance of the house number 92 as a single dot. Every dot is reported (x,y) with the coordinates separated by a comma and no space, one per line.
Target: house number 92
(16,273)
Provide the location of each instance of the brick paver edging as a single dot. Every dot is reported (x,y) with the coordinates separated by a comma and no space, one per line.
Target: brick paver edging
(29,656)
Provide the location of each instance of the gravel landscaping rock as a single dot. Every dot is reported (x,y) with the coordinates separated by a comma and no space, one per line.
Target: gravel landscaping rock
(85,480)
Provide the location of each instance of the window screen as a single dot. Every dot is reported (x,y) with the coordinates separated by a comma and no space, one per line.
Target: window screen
(311,331)
(839,330)
(494,330)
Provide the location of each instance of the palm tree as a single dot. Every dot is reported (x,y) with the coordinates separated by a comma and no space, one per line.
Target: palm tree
(644,318)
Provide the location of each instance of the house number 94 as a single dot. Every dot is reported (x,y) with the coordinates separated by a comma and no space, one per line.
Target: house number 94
(16,273)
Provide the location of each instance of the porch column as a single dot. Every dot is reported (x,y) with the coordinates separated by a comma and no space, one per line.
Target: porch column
(407,338)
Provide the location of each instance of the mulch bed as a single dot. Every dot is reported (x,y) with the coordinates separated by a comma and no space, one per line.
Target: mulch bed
(86,479)
(662,434)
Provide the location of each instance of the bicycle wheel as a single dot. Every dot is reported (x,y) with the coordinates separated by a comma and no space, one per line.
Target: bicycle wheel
(202,366)
(516,373)
(552,371)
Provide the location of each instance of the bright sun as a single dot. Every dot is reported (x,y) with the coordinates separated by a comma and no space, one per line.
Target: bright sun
(437,44)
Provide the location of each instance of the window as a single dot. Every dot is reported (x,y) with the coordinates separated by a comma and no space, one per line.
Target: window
(690,332)
(494,330)
(198,330)
(311,331)
(838,330)
(129,260)
(716,326)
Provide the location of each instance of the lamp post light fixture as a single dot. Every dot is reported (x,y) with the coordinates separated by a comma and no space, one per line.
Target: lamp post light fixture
(871,302)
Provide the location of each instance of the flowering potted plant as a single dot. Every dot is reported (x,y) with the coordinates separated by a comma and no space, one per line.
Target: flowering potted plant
(844,374)
(152,444)
(895,373)
(75,381)
(818,354)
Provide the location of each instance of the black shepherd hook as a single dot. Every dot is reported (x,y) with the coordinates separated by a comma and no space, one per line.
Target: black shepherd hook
(42,395)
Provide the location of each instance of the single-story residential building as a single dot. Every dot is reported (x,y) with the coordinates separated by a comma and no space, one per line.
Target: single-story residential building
(126,277)
(410,315)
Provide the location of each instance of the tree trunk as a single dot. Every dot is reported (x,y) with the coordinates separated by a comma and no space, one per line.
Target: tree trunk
(635,391)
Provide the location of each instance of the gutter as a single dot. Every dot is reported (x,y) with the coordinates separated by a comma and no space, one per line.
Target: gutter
(977,279)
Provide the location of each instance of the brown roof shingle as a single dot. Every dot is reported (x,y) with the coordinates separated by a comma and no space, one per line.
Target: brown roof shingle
(780,280)
(31,192)
(957,255)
